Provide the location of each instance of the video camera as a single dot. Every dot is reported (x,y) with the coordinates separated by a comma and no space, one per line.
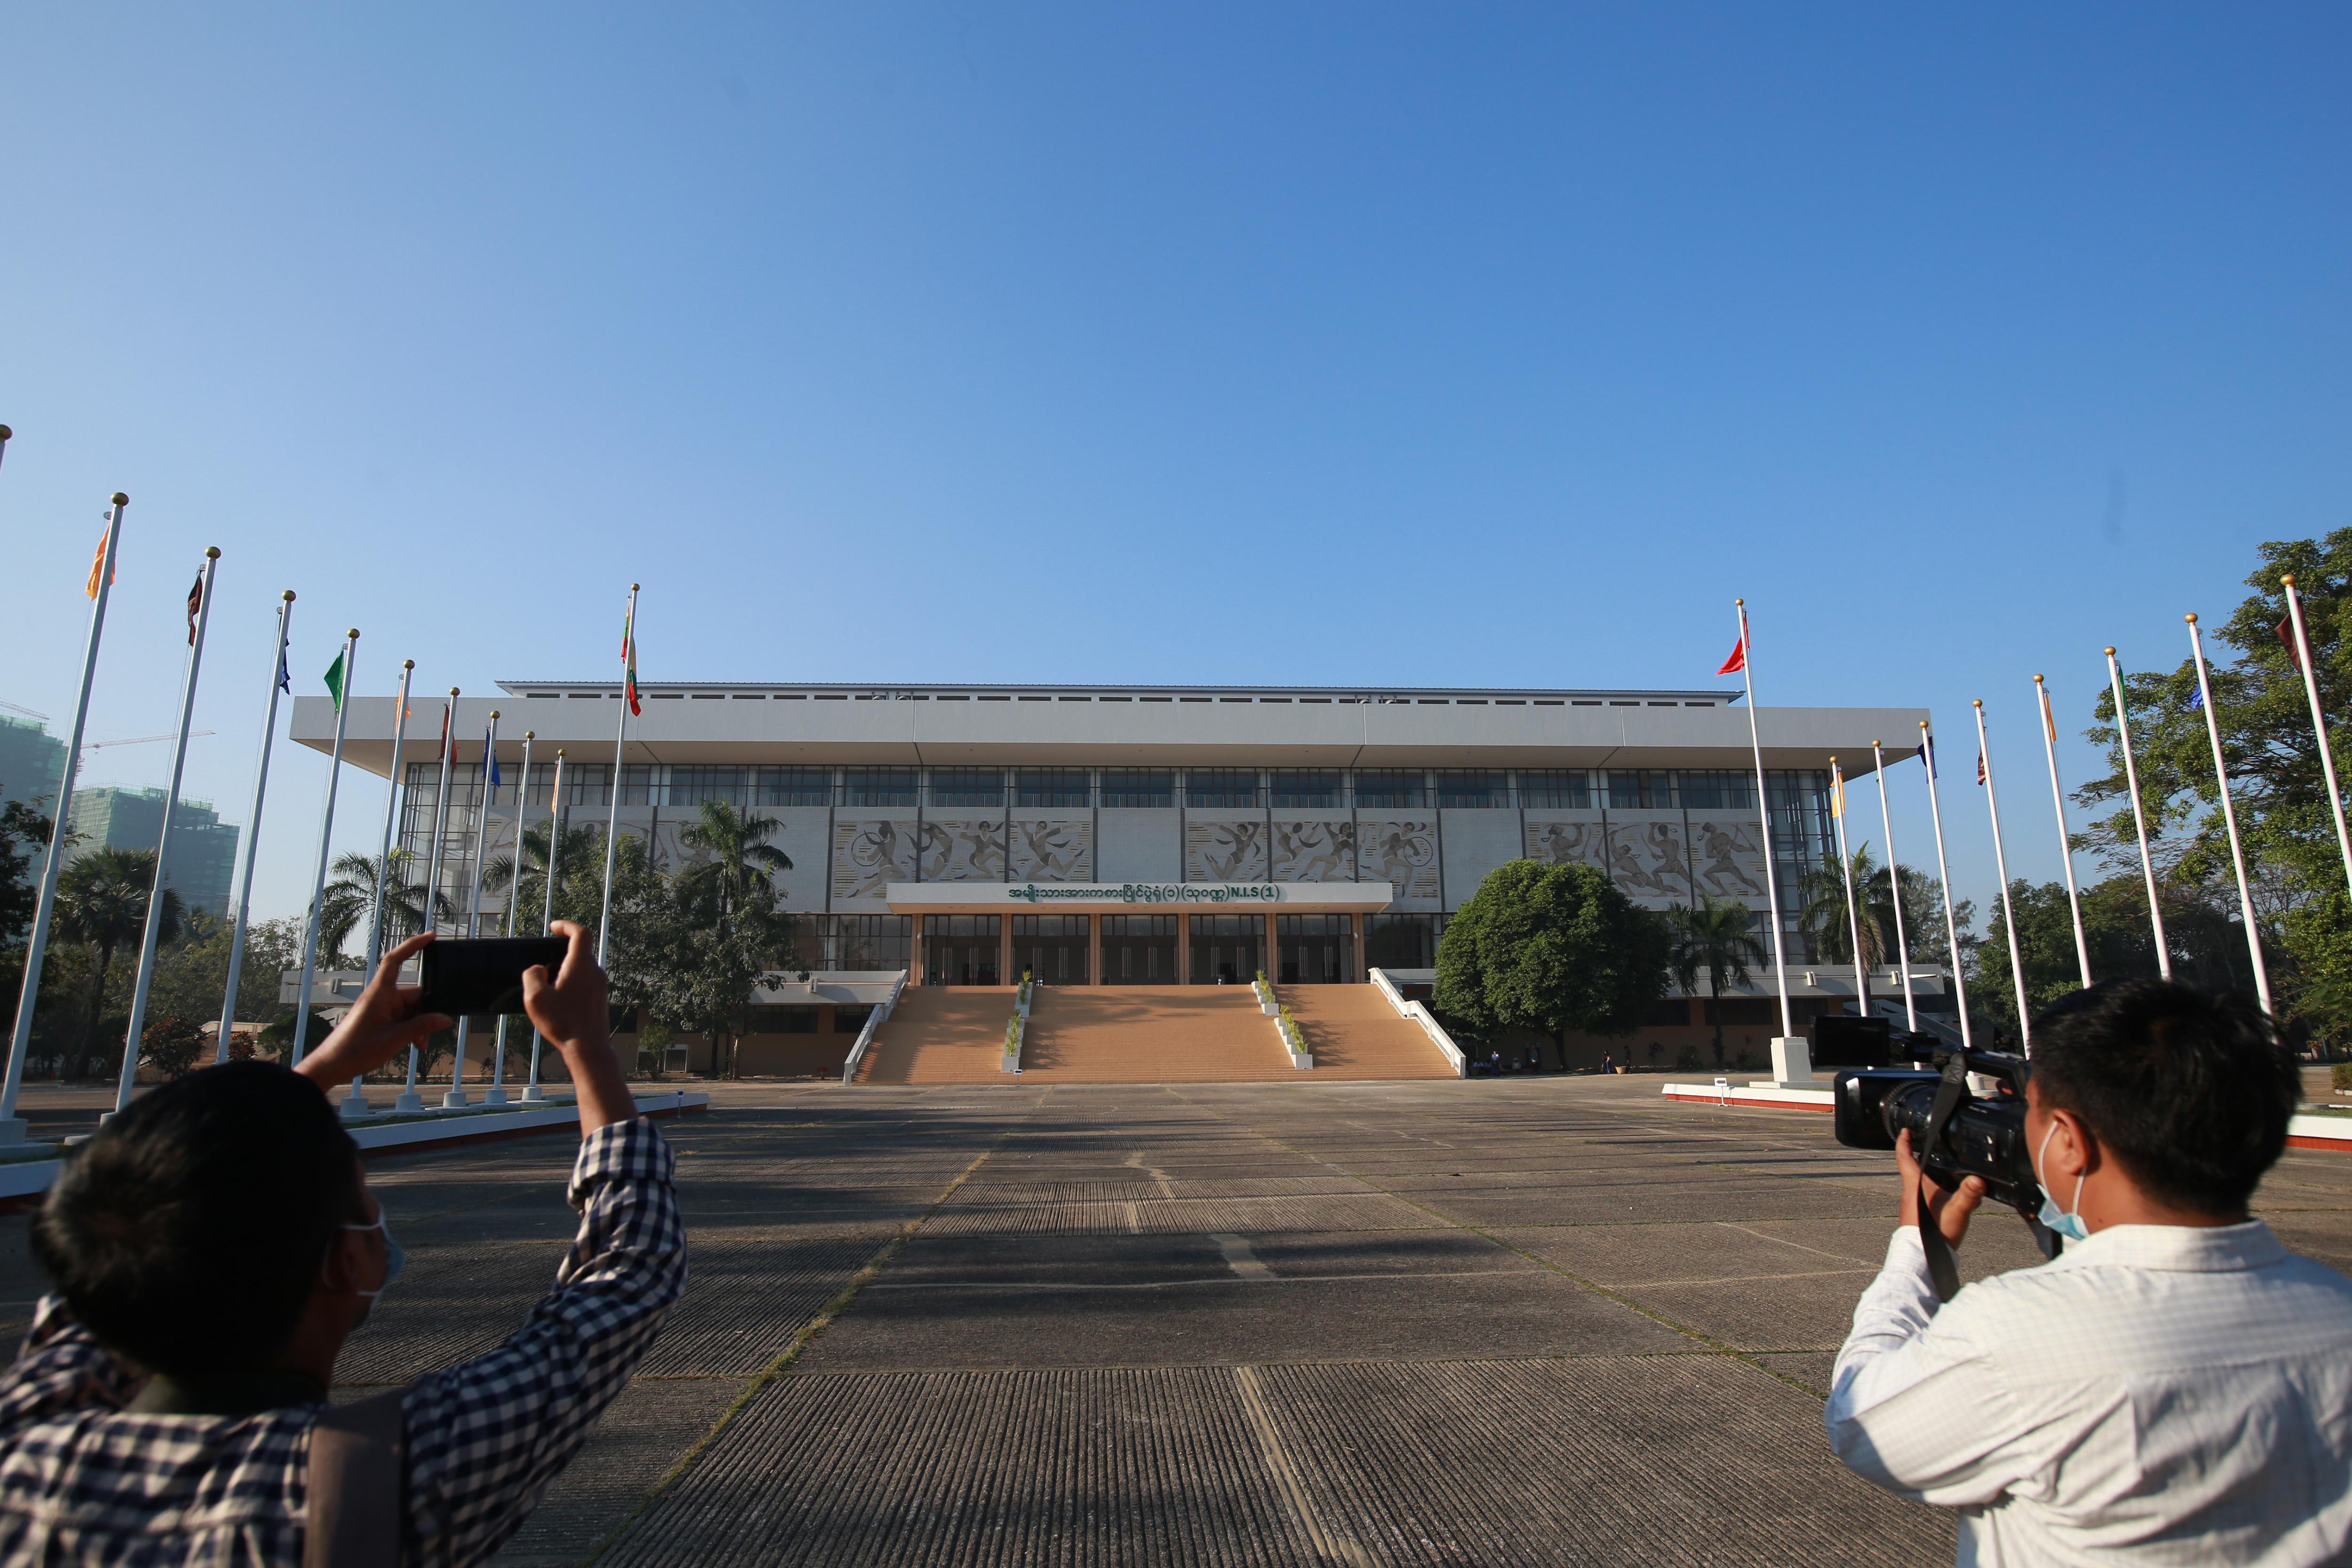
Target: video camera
(1978,1135)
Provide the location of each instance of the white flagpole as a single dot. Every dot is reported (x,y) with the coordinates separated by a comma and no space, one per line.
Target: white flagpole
(498,1093)
(355,1103)
(44,909)
(1944,870)
(531,1094)
(326,837)
(253,836)
(2139,819)
(612,822)
(2000,868)
(409,1099)
(2318,720)
(154,928)
(2066,842)
(1895,889)
(455,1098)
(2230,820)
(1852,910)
(1764,813)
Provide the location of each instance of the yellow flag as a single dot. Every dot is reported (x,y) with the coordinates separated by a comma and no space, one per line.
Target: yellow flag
(1837,793)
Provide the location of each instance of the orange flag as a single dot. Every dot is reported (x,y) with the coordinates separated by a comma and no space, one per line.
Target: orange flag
(98,563)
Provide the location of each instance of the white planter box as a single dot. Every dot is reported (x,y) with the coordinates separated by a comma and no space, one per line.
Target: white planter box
(1298,1060)
(1271,1009)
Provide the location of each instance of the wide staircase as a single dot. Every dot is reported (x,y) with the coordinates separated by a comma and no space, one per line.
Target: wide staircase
(1152,1034)
(1353,1032)
(941,1034)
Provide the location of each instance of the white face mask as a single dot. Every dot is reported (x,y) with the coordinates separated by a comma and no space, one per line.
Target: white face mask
(393,1254)
(2062,1222)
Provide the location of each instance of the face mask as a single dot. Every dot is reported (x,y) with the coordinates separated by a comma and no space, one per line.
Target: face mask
(393,1256)
(2060,1221)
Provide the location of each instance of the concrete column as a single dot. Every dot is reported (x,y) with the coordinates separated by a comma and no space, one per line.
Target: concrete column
(915,963)
(1094,950)
(1004,975)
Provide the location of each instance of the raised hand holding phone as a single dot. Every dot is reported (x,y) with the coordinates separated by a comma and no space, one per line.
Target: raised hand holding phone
(570,1008)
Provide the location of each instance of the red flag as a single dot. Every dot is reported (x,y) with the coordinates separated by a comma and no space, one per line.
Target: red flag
(195,603)
(1738,659)
(629,654)
(2286,635)
(1980,767)
(442,749)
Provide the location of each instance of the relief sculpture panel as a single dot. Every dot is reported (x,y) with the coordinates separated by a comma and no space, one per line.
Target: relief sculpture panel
(966,850)
(1728,859)
(869,854)
(1566,843)
(1314,851)
(1649,861)
(1054,851)
(1399,851)
(1226,851)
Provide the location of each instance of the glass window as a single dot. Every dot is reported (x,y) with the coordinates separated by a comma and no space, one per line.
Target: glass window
(1459,790)
(768,1020)
(862,941)
(1402,941)
(967,786)
(639,780)
(1391,789)
(1296,788)
(1640,789)
(1565,790)
(1053,786)
(1718,789)
(878,786)
(691,784)
(848,1020)
(1229,787)
(1129,788)
(583,782)
(794,786)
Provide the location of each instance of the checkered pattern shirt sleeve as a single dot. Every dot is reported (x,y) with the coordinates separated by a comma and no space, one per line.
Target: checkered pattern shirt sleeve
(82,1481)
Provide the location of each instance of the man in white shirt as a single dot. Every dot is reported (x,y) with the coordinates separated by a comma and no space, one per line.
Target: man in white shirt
(2175,1388)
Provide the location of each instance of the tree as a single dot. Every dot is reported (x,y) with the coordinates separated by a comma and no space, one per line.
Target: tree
(574,848)
(102,903)
(725,930)
(349,900)
(191,975)
(1552,947)
(1715,935)
(2205,947)
(172,1044)
(1821,911)
(24,839)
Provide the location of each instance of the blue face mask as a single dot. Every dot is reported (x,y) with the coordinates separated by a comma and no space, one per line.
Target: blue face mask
(393,1256)
(2060,1221)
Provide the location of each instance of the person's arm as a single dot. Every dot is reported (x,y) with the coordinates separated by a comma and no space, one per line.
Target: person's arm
(573,1011)
(61,1367)
(386,1018)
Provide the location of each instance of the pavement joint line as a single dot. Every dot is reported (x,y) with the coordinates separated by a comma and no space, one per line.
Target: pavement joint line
(1718,1346)
(1327,1545)
(791,1353)
(1267,1277)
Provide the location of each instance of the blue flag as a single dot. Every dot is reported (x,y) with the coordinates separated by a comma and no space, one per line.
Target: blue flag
(1927,752)
(2196,699)
(284,681)
(492,757)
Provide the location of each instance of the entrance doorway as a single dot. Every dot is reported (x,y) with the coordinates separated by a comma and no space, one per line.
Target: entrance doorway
(1316,950)
(960,950)
(1139,950)
(1051,947)
(1227,948)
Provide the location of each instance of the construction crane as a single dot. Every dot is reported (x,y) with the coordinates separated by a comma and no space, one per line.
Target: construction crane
(27,712)
(140,740)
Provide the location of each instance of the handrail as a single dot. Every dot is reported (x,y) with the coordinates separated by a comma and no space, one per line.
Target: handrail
(1423,1016)
(873,1020)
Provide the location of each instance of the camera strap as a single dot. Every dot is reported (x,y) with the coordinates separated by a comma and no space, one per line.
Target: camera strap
(1941,1270)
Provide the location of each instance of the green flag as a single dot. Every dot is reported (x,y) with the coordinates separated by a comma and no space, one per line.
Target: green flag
(335,682)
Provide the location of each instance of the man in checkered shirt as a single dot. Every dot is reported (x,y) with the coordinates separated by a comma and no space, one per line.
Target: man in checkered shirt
(216,1243)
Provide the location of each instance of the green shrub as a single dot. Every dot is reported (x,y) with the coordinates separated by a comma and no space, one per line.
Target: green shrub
(2342,1075)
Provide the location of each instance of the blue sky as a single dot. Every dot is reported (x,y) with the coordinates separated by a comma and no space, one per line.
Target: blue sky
(1303,344)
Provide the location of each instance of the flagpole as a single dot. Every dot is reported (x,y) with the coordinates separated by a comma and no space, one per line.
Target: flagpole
(253,833)
(2229,818)
(531,1094)
(2065,841)
(409,1099)
(498,1090)
(2000,868)
(153,934)
(2139,819)
(12,1127)
(455,1098)
(1944,870)
(349,659)
(1895,888)
(355,1103)
(2302,651)
(612,822)
(1764,810)
(1846,871)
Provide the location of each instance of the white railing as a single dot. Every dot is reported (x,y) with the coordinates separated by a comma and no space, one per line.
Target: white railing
(873,1020)
(1424,1017)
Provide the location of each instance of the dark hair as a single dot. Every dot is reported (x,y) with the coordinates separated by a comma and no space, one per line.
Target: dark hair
(187,1233)
(2191,1091)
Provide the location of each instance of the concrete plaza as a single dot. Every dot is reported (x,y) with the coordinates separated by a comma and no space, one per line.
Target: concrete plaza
(1527,1321)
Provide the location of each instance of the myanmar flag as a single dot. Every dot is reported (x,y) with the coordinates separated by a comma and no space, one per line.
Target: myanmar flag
(629,655)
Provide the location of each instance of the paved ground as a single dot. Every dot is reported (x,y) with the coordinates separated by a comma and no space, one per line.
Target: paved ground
(1515,1322)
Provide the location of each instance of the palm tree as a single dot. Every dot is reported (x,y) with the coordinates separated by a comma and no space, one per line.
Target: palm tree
(1821,911)
(1716,937)
(574,848)
(736,887)
(350,898)
(102,901)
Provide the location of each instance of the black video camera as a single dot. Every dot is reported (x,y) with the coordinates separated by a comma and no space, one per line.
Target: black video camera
(1980,1135)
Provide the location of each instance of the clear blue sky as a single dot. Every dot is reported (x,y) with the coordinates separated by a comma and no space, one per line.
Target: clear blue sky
(1304,343)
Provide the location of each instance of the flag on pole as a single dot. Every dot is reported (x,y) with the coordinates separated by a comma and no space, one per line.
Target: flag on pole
(1980,764)
(2286,635)
(2196,699)
(491,758)
(335,682)
(195,603)
(1927,751)
(285,679)
(1738,659)
(629,655)
(1837,793)
(2049,722)
(98,563)
(441,748)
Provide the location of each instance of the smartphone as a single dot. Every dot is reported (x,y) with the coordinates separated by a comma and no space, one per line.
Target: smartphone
(470,977)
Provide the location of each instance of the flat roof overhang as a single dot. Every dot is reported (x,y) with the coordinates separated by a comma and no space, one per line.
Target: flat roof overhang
(1137,898)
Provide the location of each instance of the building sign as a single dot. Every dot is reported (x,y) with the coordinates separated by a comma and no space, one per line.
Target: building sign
(1151,893)
(1335,895)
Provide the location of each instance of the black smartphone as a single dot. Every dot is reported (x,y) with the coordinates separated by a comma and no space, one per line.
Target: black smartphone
(469,977)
